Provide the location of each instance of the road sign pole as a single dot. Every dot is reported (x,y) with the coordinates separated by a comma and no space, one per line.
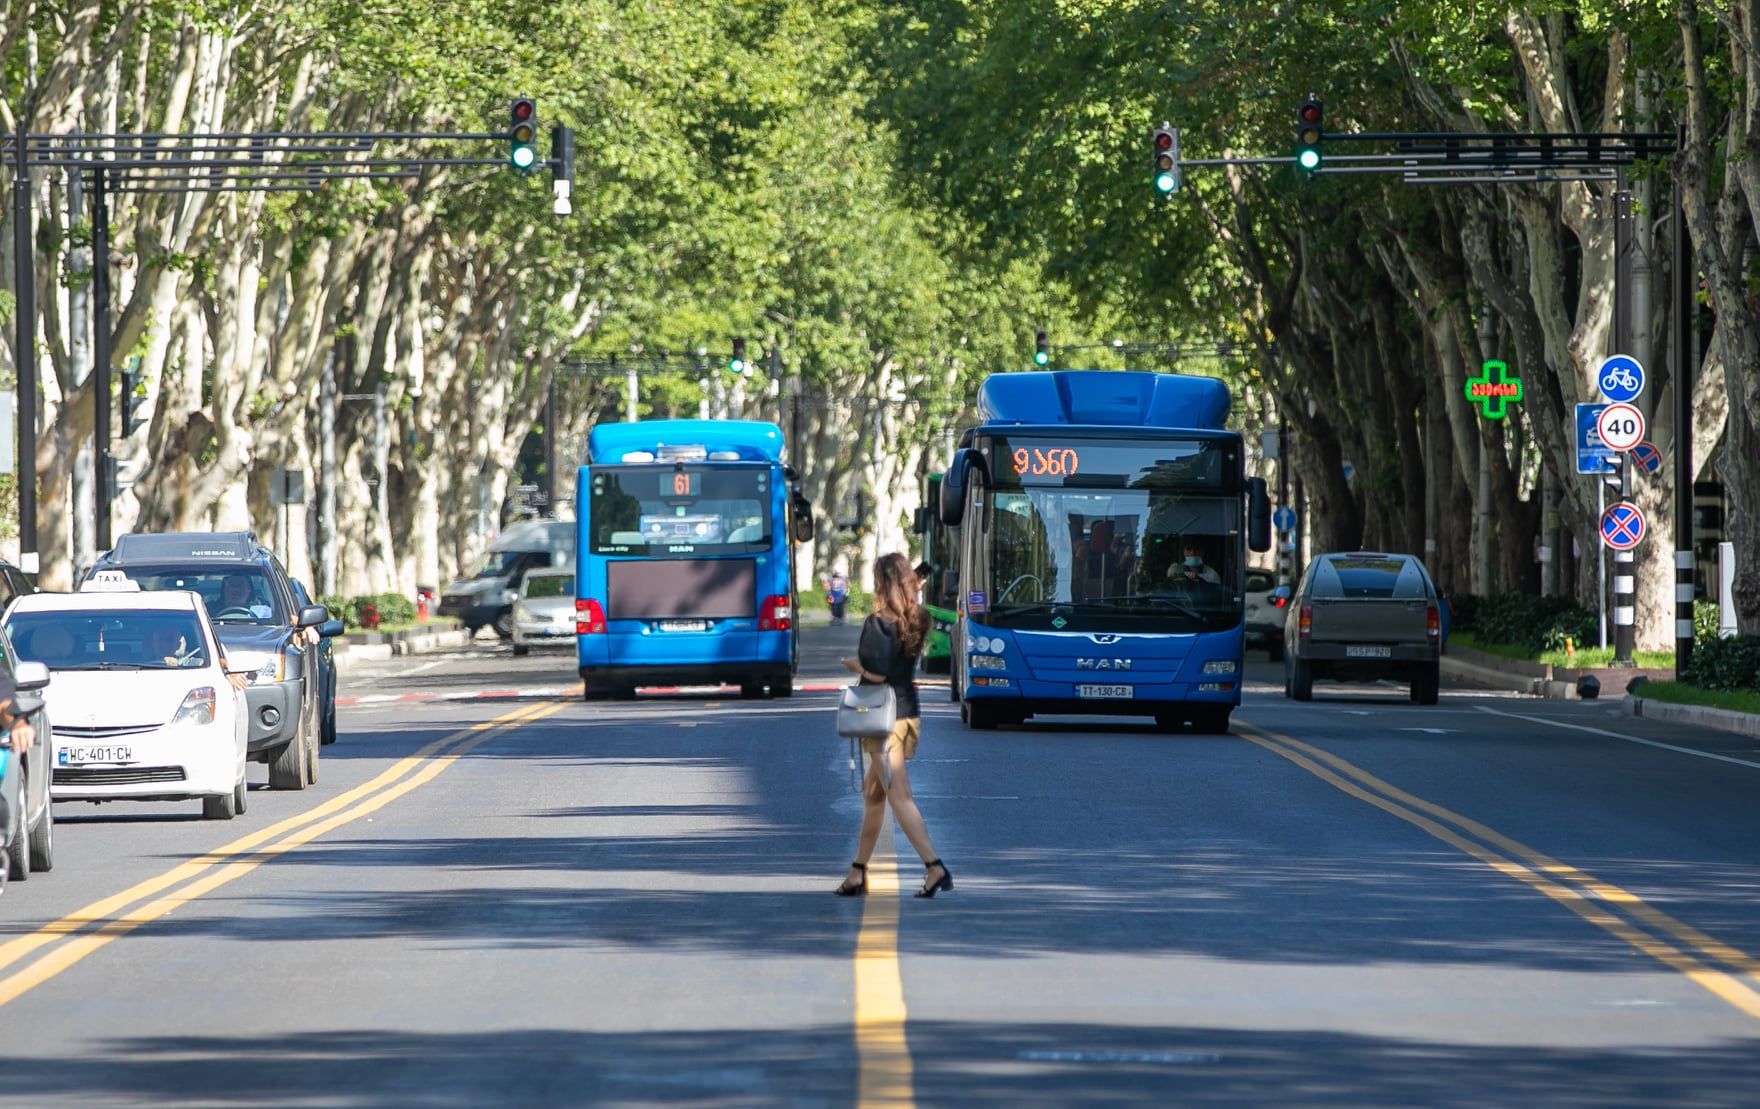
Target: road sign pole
(1624,583)
(1601,562)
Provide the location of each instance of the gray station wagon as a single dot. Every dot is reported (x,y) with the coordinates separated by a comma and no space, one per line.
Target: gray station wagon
(1363,617)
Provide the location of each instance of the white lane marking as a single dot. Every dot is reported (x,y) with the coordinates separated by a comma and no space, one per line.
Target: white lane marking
(1118,1057)
(425,667)
(1430,731)
(1620,735)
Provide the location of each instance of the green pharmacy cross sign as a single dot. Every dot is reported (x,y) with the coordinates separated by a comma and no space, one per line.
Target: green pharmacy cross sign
(1494,390)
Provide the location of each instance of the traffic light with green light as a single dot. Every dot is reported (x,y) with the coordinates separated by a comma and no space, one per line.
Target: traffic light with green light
(1310,129)
(1165,141)
(1041,347)
(738,364)
(522,134)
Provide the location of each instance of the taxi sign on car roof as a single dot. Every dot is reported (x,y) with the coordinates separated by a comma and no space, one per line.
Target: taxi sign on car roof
(110,581)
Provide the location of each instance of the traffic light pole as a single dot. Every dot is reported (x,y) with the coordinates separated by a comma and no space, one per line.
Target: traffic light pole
(236,161)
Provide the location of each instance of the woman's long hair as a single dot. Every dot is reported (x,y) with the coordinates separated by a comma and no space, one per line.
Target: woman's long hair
(895,601)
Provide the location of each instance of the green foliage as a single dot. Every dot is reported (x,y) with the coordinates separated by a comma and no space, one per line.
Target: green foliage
(1706,621)
(372,610)
(1726,664)
(1527,623)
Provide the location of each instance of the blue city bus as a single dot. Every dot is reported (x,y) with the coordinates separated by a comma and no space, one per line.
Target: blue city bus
(1104,519)
(685,558)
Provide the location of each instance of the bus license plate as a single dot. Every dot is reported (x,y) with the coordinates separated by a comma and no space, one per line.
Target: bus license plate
(79,756)
(1368,652)
(684,625)
(1106,692)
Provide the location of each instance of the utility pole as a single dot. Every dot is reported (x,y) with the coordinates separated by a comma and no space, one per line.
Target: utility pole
(24,249)
(1482,492)
(103,487)
(82,507)
(549,486)
(631,392)
(327,475)
(1686,353)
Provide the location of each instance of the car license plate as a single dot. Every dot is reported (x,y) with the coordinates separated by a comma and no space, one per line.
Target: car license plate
(79,756)
(1368,652)
(684,625)
(1106,692)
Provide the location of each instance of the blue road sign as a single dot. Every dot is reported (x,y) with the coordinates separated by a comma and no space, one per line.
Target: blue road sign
(1620,378)
(1647,456)
(1593,456)
(1622,526)
(1284,519)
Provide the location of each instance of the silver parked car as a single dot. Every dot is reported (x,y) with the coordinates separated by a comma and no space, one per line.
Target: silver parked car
(1363,617)
(544,613)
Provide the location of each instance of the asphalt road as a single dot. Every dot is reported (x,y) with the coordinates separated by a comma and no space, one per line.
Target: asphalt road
(531,900)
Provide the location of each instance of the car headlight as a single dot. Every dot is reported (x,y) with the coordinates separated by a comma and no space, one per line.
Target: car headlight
(198,707)
(522,613)
(986,662)
(1221,666)
(270,673)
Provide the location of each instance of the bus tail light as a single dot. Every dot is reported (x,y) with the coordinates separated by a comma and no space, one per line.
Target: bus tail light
(774,615)
(589,617)
(1433,623)
(1306,621)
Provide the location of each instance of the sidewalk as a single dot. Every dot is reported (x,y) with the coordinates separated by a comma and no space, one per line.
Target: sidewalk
(1539,679)
(377,646)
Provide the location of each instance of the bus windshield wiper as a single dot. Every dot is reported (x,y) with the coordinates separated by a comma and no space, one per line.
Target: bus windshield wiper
(1150,599)
(1023,607)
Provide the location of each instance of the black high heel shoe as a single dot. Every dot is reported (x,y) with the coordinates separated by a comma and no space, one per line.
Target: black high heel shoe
(860,889)
(945,882)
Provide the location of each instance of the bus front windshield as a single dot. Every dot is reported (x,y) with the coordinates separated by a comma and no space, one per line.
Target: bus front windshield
(1078,559)
(659,510)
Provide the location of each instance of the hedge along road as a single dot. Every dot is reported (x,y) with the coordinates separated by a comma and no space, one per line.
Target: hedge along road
(631,902)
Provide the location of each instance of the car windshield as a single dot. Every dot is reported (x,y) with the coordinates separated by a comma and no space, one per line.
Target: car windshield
(113,639)
(539,586)
(1079,558)
(1366,575)
(498,564)
(233,594)
(695,510)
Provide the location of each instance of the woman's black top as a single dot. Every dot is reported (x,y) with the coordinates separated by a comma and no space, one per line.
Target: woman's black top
(881,651)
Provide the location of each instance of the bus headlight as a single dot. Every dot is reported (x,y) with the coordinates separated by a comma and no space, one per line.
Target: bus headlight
(986,662)
(1221,666)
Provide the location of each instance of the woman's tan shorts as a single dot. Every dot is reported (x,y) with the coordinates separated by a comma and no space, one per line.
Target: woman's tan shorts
(905,734)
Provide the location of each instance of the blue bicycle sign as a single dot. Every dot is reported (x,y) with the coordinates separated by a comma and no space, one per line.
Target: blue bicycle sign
(1620,378)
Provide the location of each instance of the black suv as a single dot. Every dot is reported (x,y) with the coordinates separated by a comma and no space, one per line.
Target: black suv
(261,627)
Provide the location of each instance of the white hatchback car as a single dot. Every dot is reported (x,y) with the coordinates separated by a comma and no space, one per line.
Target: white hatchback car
(144,710)
(544,613)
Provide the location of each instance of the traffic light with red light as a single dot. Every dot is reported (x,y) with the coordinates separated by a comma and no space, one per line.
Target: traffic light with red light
(1310,129)
(522,134)
(1165,141)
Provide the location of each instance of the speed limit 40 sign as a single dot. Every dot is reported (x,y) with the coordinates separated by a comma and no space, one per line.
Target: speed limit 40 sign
(1620,426)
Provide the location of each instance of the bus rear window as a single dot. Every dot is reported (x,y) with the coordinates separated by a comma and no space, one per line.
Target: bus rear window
(659,510)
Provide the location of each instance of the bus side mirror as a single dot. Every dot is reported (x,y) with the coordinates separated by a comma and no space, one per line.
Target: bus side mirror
(803,519)
(953,485)
(920,519)
(1258,515)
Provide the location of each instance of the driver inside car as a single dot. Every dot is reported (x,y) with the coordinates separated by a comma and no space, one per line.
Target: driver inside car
(166,644)
(236,592)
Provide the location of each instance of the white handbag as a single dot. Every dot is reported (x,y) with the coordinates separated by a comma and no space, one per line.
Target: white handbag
(867,711)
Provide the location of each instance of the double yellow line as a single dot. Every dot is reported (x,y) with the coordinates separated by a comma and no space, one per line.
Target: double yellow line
(80,933)
(1620,912)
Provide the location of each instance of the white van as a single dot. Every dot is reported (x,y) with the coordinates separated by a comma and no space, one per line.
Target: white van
(485,599)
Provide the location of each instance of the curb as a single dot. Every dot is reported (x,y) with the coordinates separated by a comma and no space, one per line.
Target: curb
(403,643)
(551,692)
(1503,679)
(1728,720)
